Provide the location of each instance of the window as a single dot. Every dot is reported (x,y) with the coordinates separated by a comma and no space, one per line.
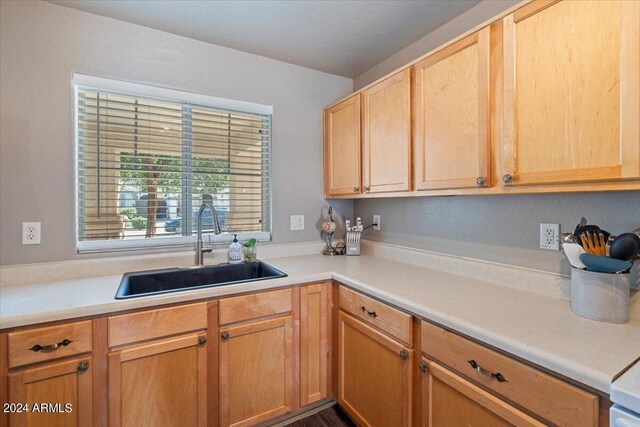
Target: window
(147,158)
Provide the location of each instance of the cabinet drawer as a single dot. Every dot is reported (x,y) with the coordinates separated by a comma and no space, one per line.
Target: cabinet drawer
(540,393)
(254,306)
(52,342)
(388,319)
(152,324)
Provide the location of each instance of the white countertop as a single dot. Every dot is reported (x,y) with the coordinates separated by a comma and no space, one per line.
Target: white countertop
(533,326)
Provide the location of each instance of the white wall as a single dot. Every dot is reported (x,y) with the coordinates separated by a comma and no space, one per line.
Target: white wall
(41,45)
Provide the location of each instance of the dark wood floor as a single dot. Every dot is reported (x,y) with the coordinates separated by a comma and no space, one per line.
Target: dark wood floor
(330,417)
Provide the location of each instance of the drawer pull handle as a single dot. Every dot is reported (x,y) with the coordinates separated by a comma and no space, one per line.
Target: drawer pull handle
(369,313)
(483,371)
(423,367)
(202,341)
(225,336)
(51,347)
(82,367)
(404,355)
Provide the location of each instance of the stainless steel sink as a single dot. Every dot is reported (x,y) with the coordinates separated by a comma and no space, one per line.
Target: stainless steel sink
(153,282)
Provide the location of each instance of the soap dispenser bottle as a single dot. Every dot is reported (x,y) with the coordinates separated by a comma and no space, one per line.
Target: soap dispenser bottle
(235,251)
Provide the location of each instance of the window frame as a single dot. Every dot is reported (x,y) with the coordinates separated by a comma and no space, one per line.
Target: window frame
(140,89)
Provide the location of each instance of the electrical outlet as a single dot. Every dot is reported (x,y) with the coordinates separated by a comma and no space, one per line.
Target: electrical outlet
(550,236)
(297,222)
(376,220)
(30,233)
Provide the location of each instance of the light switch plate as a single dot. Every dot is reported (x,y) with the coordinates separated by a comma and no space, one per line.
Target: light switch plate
(30,233)
(297,222)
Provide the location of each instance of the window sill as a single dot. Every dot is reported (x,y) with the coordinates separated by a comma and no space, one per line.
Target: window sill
(165,244)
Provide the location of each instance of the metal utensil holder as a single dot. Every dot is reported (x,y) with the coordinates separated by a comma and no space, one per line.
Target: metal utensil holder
(601,296)
(353,243)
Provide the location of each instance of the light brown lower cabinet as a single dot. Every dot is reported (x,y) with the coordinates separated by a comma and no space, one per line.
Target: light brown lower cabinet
(256,371)
(163,383)
(315,355)
(374,375)
(64,388)
(450,400)
(268,367)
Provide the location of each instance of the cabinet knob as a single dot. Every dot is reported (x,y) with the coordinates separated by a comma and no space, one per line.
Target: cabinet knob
(224,336)
(404,355)
(480,181)
(202,341)
(507,178)
(82,367)
(366,189)
(356,189)
(423,367)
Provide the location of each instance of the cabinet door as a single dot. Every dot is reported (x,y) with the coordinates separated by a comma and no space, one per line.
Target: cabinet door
(342,151)
(451,110)
(159,384)
(314,342)
(64,388)
(571,92)
(386,134)
(374,375)
(256,371)
(449,400)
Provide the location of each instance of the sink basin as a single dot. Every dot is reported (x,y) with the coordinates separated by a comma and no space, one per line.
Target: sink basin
(153,282)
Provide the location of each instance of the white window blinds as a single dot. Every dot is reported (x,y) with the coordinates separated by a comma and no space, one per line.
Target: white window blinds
(146,164)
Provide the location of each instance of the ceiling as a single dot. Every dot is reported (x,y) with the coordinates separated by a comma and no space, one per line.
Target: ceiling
(339,37)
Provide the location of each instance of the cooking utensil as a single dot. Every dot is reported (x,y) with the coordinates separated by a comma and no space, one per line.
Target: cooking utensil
(593,243)
(581,226)
(593,231)
(625,247)
(585,244)
(573,251)
(608,245)
(600,244)
(602,264)
(568,238)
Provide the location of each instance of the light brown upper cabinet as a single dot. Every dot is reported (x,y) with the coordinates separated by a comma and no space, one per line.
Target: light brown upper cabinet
(571,95)
(386,135)
(451,116)
(544,98)
(342,148)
